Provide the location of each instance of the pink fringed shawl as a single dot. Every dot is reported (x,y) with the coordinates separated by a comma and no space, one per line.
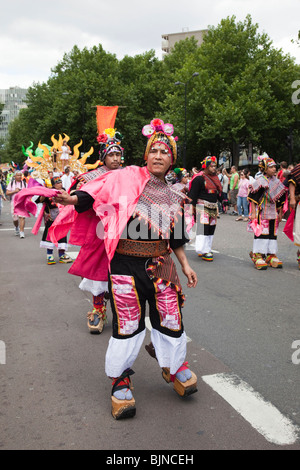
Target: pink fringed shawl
(22,201)
(115,194)
(289,226)
(24,206)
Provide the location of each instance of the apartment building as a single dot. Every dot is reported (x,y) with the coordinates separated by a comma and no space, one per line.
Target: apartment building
(169,40)
(13,99)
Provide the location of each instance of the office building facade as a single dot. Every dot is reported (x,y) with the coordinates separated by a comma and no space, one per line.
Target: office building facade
(14,99)
(169,40)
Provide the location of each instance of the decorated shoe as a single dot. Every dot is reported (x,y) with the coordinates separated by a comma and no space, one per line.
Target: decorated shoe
(258,260)
(184,381)
(273,261)
(208,257)
(123,403)
(65,259)
(97,319)
(50,259)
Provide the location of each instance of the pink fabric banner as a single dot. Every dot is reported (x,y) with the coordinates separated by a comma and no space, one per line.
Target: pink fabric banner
(289,226)
(106,116)
(22,201)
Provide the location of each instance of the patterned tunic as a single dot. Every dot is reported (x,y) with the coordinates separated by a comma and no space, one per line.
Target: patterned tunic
(269,194)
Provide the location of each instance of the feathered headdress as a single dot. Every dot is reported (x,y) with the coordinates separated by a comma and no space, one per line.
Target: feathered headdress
(264,162)
(158,131)
(207,161)
(109,141)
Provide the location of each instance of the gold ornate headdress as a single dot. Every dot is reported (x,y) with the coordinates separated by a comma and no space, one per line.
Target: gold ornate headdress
(46,160)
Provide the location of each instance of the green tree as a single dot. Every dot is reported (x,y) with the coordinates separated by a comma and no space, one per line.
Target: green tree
(140,88)
(81,81)
(242,94)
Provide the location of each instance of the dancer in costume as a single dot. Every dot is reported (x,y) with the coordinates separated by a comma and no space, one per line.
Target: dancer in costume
(293,182)
(13,188)
(205,192)
(51,211)
(181,183)
(95,278)
(42,176)
(266,196)
(143,223)
(65,154)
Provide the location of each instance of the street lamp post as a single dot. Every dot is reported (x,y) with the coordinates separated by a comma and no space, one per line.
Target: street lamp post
(195,74)
(65,93)
(83,121)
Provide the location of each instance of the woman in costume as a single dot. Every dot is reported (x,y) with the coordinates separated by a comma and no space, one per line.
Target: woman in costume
(205,192)
(65,154)
(266,196)
(13,188)
(143,223)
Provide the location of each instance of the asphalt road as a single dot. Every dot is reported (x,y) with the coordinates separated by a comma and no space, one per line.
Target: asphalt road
(241,323)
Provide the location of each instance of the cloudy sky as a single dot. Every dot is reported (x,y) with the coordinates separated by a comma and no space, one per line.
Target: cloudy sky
(35,35)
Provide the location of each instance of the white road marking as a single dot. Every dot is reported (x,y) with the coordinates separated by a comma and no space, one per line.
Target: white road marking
(73,254)
(13,229)
(191,247)
(262,416)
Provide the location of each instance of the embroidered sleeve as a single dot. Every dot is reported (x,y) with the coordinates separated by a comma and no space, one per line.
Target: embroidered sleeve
(256,196)
(291,180)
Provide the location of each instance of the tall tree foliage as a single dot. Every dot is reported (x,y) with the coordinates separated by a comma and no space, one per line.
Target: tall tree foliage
(242,94)
(81,81)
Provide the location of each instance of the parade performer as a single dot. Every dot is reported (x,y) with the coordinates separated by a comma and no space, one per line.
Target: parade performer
(95,277)
(16,185)
(42,164)
(65,153)
(205,192)
(266,196)
(143,222)
(293,182)
(181,183)
(50,212)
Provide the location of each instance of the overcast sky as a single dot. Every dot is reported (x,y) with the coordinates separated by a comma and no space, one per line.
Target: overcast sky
(35,35)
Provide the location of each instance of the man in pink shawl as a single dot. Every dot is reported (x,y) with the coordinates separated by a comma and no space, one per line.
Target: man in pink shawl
(94,274)
(142,223)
